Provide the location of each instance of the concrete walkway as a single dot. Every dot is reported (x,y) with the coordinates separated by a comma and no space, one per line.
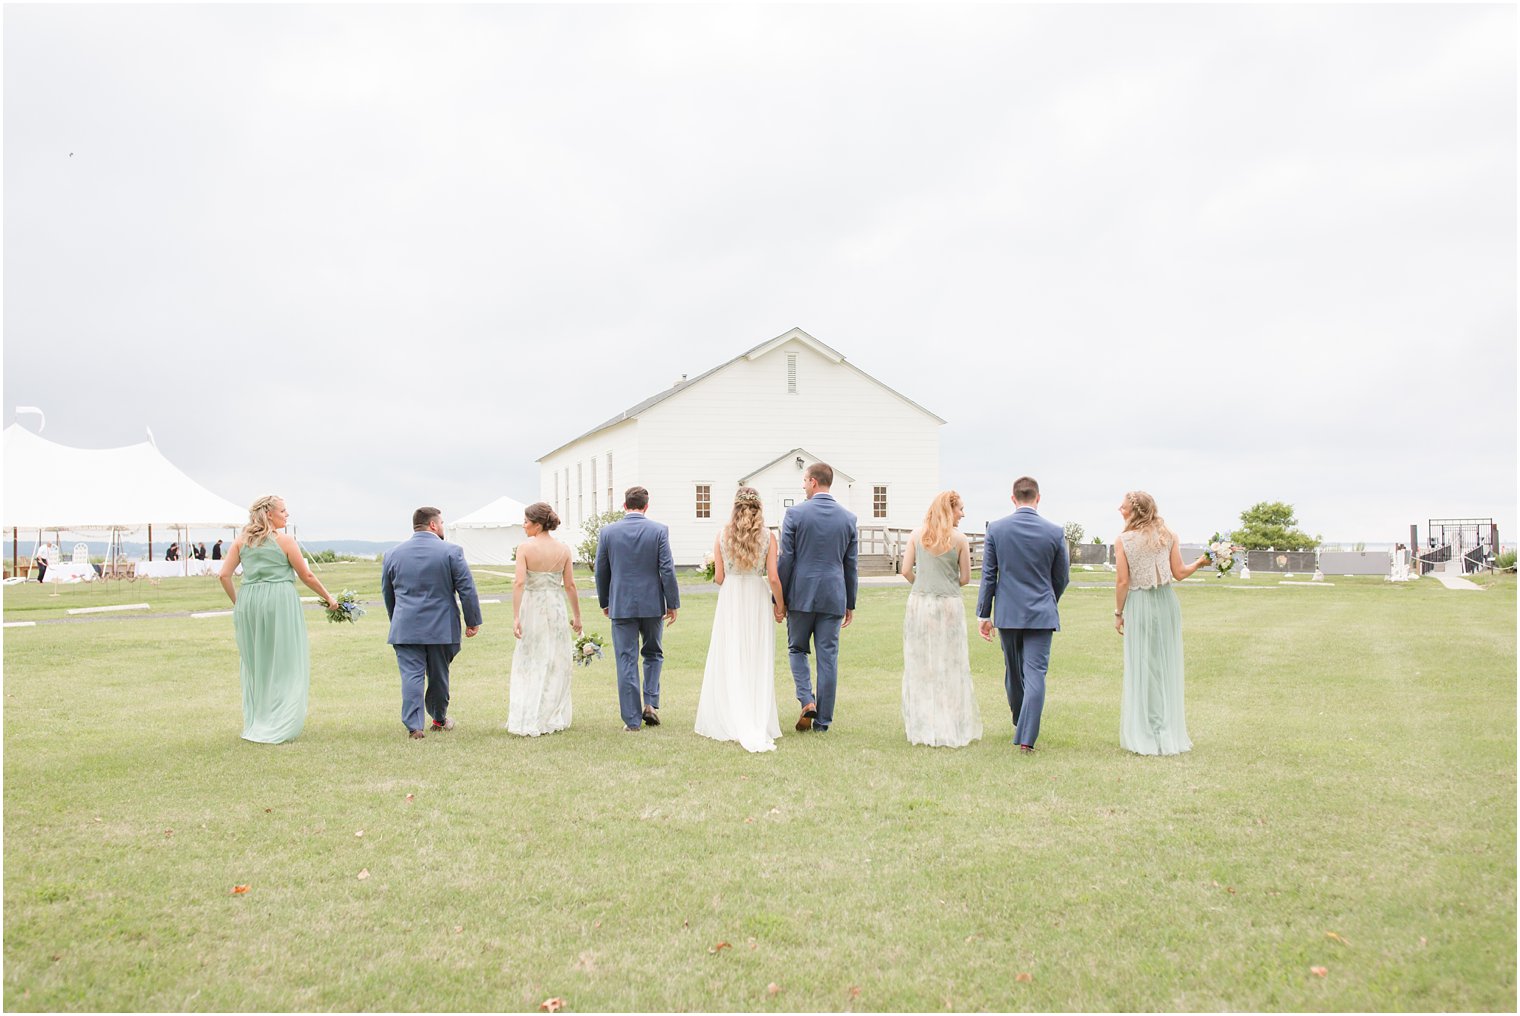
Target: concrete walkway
(1454,581)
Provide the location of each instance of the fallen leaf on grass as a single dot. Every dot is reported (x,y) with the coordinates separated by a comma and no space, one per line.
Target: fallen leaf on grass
(458,929)
(854,992)
(363,874)
(1025,978)
(410,796)
(551,1005)
(239,890)
(772,988)
(168,832)
(1319,971)
(360,833)
(774,811)
(596,924)
(268,810)
(753,944)
(1230,889)
(1332,936)
(748,821)
(99,819)
(715,949)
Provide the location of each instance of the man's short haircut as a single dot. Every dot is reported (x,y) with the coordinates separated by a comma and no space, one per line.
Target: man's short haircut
(636,499)
(423,517)
(822,472)
(1025,490)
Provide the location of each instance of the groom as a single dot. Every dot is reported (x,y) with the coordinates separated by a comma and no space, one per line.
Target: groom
(636,587)
(418,580)
(1025,570)
(816,565)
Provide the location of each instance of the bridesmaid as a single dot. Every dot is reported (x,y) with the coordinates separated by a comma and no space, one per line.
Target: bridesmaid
(538,698)
(1146,613)
(274,661)
(938,701)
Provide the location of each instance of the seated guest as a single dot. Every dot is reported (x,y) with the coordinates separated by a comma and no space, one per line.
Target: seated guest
(172,554)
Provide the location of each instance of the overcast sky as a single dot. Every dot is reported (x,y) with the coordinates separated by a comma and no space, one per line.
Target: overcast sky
(371,257)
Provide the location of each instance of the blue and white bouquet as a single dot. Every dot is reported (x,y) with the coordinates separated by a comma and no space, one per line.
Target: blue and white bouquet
(588,648)
(1221,553)
(348,608)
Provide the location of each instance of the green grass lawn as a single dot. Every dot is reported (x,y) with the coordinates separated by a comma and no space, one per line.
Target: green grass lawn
(1349,804)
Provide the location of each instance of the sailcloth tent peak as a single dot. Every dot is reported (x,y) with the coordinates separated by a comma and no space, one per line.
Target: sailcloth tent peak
(54,486)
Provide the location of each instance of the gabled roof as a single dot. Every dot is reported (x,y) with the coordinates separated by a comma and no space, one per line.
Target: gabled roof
(838,473)
(797,334)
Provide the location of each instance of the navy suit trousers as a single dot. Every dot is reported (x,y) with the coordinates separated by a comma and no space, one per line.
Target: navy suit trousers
(424,681)
(627,634)
(1026,658)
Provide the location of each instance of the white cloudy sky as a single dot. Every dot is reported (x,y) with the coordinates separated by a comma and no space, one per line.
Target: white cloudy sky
(370,257)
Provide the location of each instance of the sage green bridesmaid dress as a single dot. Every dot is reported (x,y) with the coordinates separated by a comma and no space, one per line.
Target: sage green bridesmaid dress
(1152,719)
(275,662)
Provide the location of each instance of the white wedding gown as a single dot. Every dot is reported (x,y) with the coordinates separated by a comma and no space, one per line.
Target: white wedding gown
(538,699)
(738,698)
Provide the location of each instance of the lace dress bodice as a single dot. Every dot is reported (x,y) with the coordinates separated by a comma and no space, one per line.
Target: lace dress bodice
(730,568)
(1149,565)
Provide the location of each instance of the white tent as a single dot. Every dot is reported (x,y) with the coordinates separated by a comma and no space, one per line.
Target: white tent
(490,535)
(54,488)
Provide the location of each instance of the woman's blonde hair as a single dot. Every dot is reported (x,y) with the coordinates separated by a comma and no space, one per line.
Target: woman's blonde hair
(1145,520)
(939,522)
(745,537)
(258,528)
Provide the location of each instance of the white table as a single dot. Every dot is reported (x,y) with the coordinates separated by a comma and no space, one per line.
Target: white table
(175,569)
(68,571)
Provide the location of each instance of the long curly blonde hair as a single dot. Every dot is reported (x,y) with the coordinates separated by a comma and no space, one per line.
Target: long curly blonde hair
(939,522)
(1145,520)
(258,528)
(745,537)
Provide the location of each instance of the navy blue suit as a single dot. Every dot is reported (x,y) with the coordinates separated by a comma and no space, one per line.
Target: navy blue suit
(1024,572)
(419,580)
(636,585)
(816,565)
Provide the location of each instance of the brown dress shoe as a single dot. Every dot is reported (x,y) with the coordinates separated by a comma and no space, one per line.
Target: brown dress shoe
(416,735)
(805,721)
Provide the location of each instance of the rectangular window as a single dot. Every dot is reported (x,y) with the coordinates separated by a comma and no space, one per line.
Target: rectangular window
(556,491)
(879,502)
(609,482)
(593,484)
(791,373)
(580,493)
(704,500)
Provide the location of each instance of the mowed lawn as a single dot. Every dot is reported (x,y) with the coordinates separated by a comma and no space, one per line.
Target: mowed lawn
(1349,805)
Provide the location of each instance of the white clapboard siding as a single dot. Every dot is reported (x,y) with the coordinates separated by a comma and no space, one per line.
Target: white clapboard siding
(738,421)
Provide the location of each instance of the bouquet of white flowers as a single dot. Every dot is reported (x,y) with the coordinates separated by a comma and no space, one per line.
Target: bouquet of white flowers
(1222,553)
(348,608)
(587,648)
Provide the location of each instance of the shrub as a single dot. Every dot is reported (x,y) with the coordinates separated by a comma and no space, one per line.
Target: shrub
(1505,561)
(587,547)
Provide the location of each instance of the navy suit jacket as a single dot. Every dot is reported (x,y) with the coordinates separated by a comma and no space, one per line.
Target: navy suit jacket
(419,579)
(1024,572)
(635,574)
(816,562)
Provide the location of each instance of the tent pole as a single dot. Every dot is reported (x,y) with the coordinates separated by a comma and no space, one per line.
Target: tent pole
(15,558)
(150,541)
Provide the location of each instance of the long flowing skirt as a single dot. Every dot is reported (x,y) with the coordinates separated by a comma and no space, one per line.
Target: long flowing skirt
(1151,718)
(738,698)
(274,660)
(938,701)
(538,697)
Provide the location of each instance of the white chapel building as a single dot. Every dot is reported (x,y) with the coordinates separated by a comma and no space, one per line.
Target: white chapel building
(758,420)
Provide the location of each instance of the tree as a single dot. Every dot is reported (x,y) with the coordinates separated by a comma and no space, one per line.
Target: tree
(1271,524)
(1074,533)
(591,527)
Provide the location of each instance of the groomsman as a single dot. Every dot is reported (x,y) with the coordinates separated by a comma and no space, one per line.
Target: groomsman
(419,582)
(636,588)
(1025,571)
(816,565)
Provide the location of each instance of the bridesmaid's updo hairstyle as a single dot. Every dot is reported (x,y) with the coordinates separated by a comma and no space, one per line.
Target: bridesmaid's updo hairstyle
(745,537)
(542,513)
(258,528)
(1145,520)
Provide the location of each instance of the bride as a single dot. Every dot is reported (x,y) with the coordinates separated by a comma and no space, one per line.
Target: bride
(738,698)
